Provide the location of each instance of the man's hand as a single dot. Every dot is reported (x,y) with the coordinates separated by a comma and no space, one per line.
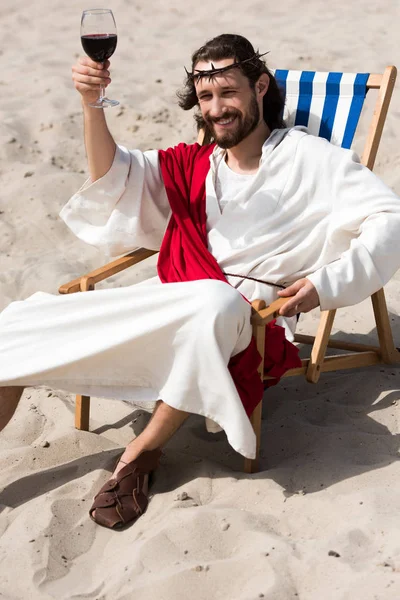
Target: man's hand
(305,298)
(88,76)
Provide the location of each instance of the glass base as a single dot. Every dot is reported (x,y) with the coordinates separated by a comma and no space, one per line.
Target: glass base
(104,103)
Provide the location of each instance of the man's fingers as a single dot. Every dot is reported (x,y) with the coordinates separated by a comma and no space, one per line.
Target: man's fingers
(89,71)
(305,300)
(292,289)
(88,62)
(79,78)
(82,87)
(86,78)
(295,304)
(291,308)
(89,77)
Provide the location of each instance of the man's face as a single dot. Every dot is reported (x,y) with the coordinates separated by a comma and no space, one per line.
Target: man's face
(228,105)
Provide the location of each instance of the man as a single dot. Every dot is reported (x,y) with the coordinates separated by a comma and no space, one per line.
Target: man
(264,208)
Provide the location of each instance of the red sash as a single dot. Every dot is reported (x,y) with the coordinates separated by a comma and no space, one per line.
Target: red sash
(184,256)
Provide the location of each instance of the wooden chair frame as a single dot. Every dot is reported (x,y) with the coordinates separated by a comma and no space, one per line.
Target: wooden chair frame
(358,355)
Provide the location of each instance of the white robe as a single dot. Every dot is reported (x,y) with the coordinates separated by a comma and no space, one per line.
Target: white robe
(312,210)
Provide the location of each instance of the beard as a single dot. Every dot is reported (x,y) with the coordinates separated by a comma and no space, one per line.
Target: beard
(245,124)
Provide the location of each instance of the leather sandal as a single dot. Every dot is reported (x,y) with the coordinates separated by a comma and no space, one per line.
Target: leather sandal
(124,498)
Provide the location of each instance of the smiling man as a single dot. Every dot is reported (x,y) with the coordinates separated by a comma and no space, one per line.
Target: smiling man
(229,106)
(260,211)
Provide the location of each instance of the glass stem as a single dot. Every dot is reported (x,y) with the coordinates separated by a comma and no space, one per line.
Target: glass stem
(102,94)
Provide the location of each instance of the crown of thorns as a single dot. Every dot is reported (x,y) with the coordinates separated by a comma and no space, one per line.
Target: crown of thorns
(210,73)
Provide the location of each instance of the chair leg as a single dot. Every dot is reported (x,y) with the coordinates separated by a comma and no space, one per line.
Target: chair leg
(252,465)
(82,403)
(389,352)
(320,345)
(82,412)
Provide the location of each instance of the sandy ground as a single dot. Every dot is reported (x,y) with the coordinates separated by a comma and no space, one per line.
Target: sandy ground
(320,521)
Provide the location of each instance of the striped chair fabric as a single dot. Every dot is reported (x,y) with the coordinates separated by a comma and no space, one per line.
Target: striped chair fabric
(328,104)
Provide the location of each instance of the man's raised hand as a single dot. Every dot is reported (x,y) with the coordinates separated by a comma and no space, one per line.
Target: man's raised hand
(89,76)
(305,298)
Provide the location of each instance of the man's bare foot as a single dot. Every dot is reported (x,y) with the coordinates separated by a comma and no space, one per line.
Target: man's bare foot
(9,398)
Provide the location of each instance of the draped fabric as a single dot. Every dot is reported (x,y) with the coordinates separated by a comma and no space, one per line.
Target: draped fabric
(184,256)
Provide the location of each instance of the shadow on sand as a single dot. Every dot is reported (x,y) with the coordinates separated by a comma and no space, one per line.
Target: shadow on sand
(313,436)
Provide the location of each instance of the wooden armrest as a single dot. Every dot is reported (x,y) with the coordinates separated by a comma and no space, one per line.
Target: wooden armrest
(261,315)
(107,270)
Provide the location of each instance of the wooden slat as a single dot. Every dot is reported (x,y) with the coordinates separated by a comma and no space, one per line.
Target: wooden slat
(350,361)
(82,403)
(339,345)
(108,270)
(252,466)
(293,372)
(319,348)
(200,137)
(374,81)
(87,284)
(203,138)
(263,316)
(336,363)
(258,305)
(297,371)
(378,120)
(388,349)
(82,412)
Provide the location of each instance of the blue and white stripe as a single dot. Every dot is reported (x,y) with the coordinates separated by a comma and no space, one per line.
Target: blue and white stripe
(328,104)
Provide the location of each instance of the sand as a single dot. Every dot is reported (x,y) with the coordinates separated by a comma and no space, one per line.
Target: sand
(320,520)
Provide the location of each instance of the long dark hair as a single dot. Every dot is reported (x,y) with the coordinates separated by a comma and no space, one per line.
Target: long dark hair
(239,48)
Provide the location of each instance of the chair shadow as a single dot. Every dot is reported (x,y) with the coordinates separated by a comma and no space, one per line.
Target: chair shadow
(139,416)
(323,434)
(38,484)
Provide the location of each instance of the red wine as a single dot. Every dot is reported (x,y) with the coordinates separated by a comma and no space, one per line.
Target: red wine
(99,46)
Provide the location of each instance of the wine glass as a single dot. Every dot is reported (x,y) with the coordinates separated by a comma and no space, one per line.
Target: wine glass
(99,40)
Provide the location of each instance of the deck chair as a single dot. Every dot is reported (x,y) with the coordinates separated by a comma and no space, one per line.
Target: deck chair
(329,104)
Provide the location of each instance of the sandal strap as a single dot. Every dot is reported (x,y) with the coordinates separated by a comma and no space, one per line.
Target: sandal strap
(121,499)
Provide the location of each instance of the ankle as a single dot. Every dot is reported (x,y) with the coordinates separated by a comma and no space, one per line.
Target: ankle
(141,444)
(131,452)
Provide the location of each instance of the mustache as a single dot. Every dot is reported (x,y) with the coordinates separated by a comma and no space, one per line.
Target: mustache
(227,115)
